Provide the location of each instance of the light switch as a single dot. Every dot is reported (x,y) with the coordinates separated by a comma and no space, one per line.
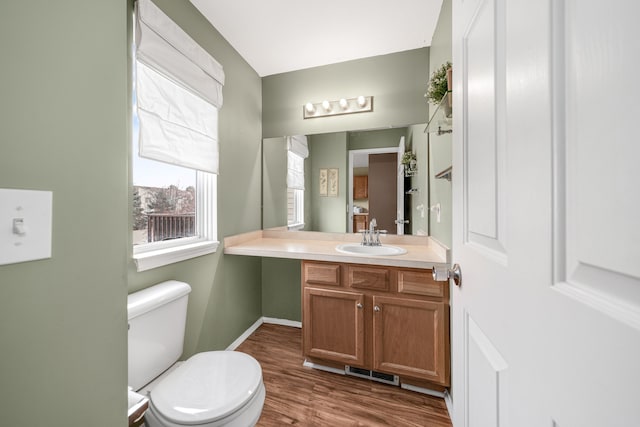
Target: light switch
(25,225)
(19,227)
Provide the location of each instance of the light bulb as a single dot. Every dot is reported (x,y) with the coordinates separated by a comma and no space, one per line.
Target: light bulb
(362,101)
(343,103)
(326,105)
(310,108)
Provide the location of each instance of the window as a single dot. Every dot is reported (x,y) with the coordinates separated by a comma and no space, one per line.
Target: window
(295,208)
(178,91)
(297,151)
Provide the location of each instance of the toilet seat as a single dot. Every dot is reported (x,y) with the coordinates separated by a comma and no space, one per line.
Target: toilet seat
(208,388)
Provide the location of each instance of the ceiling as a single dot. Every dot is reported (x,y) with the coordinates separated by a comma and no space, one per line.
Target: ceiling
(286,35)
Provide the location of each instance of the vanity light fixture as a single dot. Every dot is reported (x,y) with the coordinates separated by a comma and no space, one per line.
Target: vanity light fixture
(309,108)
(361,104)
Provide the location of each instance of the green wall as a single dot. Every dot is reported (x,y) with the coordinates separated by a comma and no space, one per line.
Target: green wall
(440,146)
(396,81)
(328,151)
(382,138)
(283,299)
(274,182)
(419,144)
(226,295)
(66,105)
(63,108)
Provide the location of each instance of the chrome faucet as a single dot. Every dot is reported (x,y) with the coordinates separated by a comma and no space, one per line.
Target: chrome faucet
(371,237)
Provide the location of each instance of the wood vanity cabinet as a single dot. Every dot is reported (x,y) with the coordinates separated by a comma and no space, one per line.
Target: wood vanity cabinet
(360,187)
(387,319)
(360,222)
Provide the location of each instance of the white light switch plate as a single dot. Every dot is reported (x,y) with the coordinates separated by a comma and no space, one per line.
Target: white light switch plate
(25,225)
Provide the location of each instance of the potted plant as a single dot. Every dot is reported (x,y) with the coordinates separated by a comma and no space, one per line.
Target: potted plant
(440,85)
(410,163)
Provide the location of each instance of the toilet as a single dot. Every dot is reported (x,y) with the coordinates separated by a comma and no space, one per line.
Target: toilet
(214,388)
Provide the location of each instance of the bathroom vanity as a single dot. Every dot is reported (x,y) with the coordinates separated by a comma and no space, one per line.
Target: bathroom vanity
(376,318)
(380,317)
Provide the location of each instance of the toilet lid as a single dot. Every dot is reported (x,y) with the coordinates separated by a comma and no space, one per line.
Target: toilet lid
(207,387)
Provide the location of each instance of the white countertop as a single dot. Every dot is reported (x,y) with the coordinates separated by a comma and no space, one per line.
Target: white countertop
(422,251)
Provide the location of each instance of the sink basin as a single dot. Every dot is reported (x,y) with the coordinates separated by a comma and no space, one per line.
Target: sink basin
(358,249)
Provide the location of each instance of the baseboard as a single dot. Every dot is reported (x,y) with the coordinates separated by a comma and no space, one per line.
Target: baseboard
(449,402)
(271,320)
(319,367)
(283,322)
(246,334)
(422,390)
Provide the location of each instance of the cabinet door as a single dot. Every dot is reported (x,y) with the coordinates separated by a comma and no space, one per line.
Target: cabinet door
(410,337)
(324,274)
(371,278)
(360,187)
(360,222)
(333,325)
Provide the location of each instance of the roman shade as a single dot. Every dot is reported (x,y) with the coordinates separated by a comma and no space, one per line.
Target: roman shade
(297,151)
(178,93)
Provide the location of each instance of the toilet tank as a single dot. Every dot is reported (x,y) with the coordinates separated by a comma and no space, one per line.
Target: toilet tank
(157,317)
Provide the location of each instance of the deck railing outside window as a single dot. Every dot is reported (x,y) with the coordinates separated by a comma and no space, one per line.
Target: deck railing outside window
(170,226)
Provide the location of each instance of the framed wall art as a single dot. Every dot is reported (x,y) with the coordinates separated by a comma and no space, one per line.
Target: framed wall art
(323,182)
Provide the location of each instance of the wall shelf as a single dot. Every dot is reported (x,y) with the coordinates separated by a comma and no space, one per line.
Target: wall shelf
(445,174)
(441,121)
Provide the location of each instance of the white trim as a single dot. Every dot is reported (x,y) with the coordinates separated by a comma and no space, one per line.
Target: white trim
(626,313)
(246,334)
(283,322)
(157,254)
(308,364)
(422,390)
(381,150)
(165,256)
(448,400)
(269,320)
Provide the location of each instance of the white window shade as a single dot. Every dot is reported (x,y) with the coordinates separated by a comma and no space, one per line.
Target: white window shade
(179,91)
(298,144)
(297,151)
(163,45)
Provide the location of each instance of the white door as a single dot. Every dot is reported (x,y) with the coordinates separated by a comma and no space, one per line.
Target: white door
(546,227)
(400,220)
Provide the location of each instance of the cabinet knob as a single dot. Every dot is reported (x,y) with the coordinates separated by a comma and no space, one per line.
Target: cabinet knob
(359,305)
(376,308)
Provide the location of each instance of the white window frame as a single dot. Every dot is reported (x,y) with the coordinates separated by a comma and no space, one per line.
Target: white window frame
(158,254)
(171,52)
(296,221)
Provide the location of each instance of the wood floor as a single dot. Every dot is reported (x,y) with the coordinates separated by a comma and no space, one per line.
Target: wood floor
(307,397)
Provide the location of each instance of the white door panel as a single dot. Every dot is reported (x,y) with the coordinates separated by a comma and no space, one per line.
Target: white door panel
(546,201)
(479,63)
(487,377)
(598,200)
(483,62)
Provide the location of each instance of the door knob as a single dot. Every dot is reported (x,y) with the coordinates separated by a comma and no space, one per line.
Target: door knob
(442,274)
(376,308)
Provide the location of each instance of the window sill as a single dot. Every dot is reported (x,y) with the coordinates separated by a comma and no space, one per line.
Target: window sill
(295,227)
(160,257)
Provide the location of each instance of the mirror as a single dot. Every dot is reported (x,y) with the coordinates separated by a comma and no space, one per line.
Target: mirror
(351,177)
